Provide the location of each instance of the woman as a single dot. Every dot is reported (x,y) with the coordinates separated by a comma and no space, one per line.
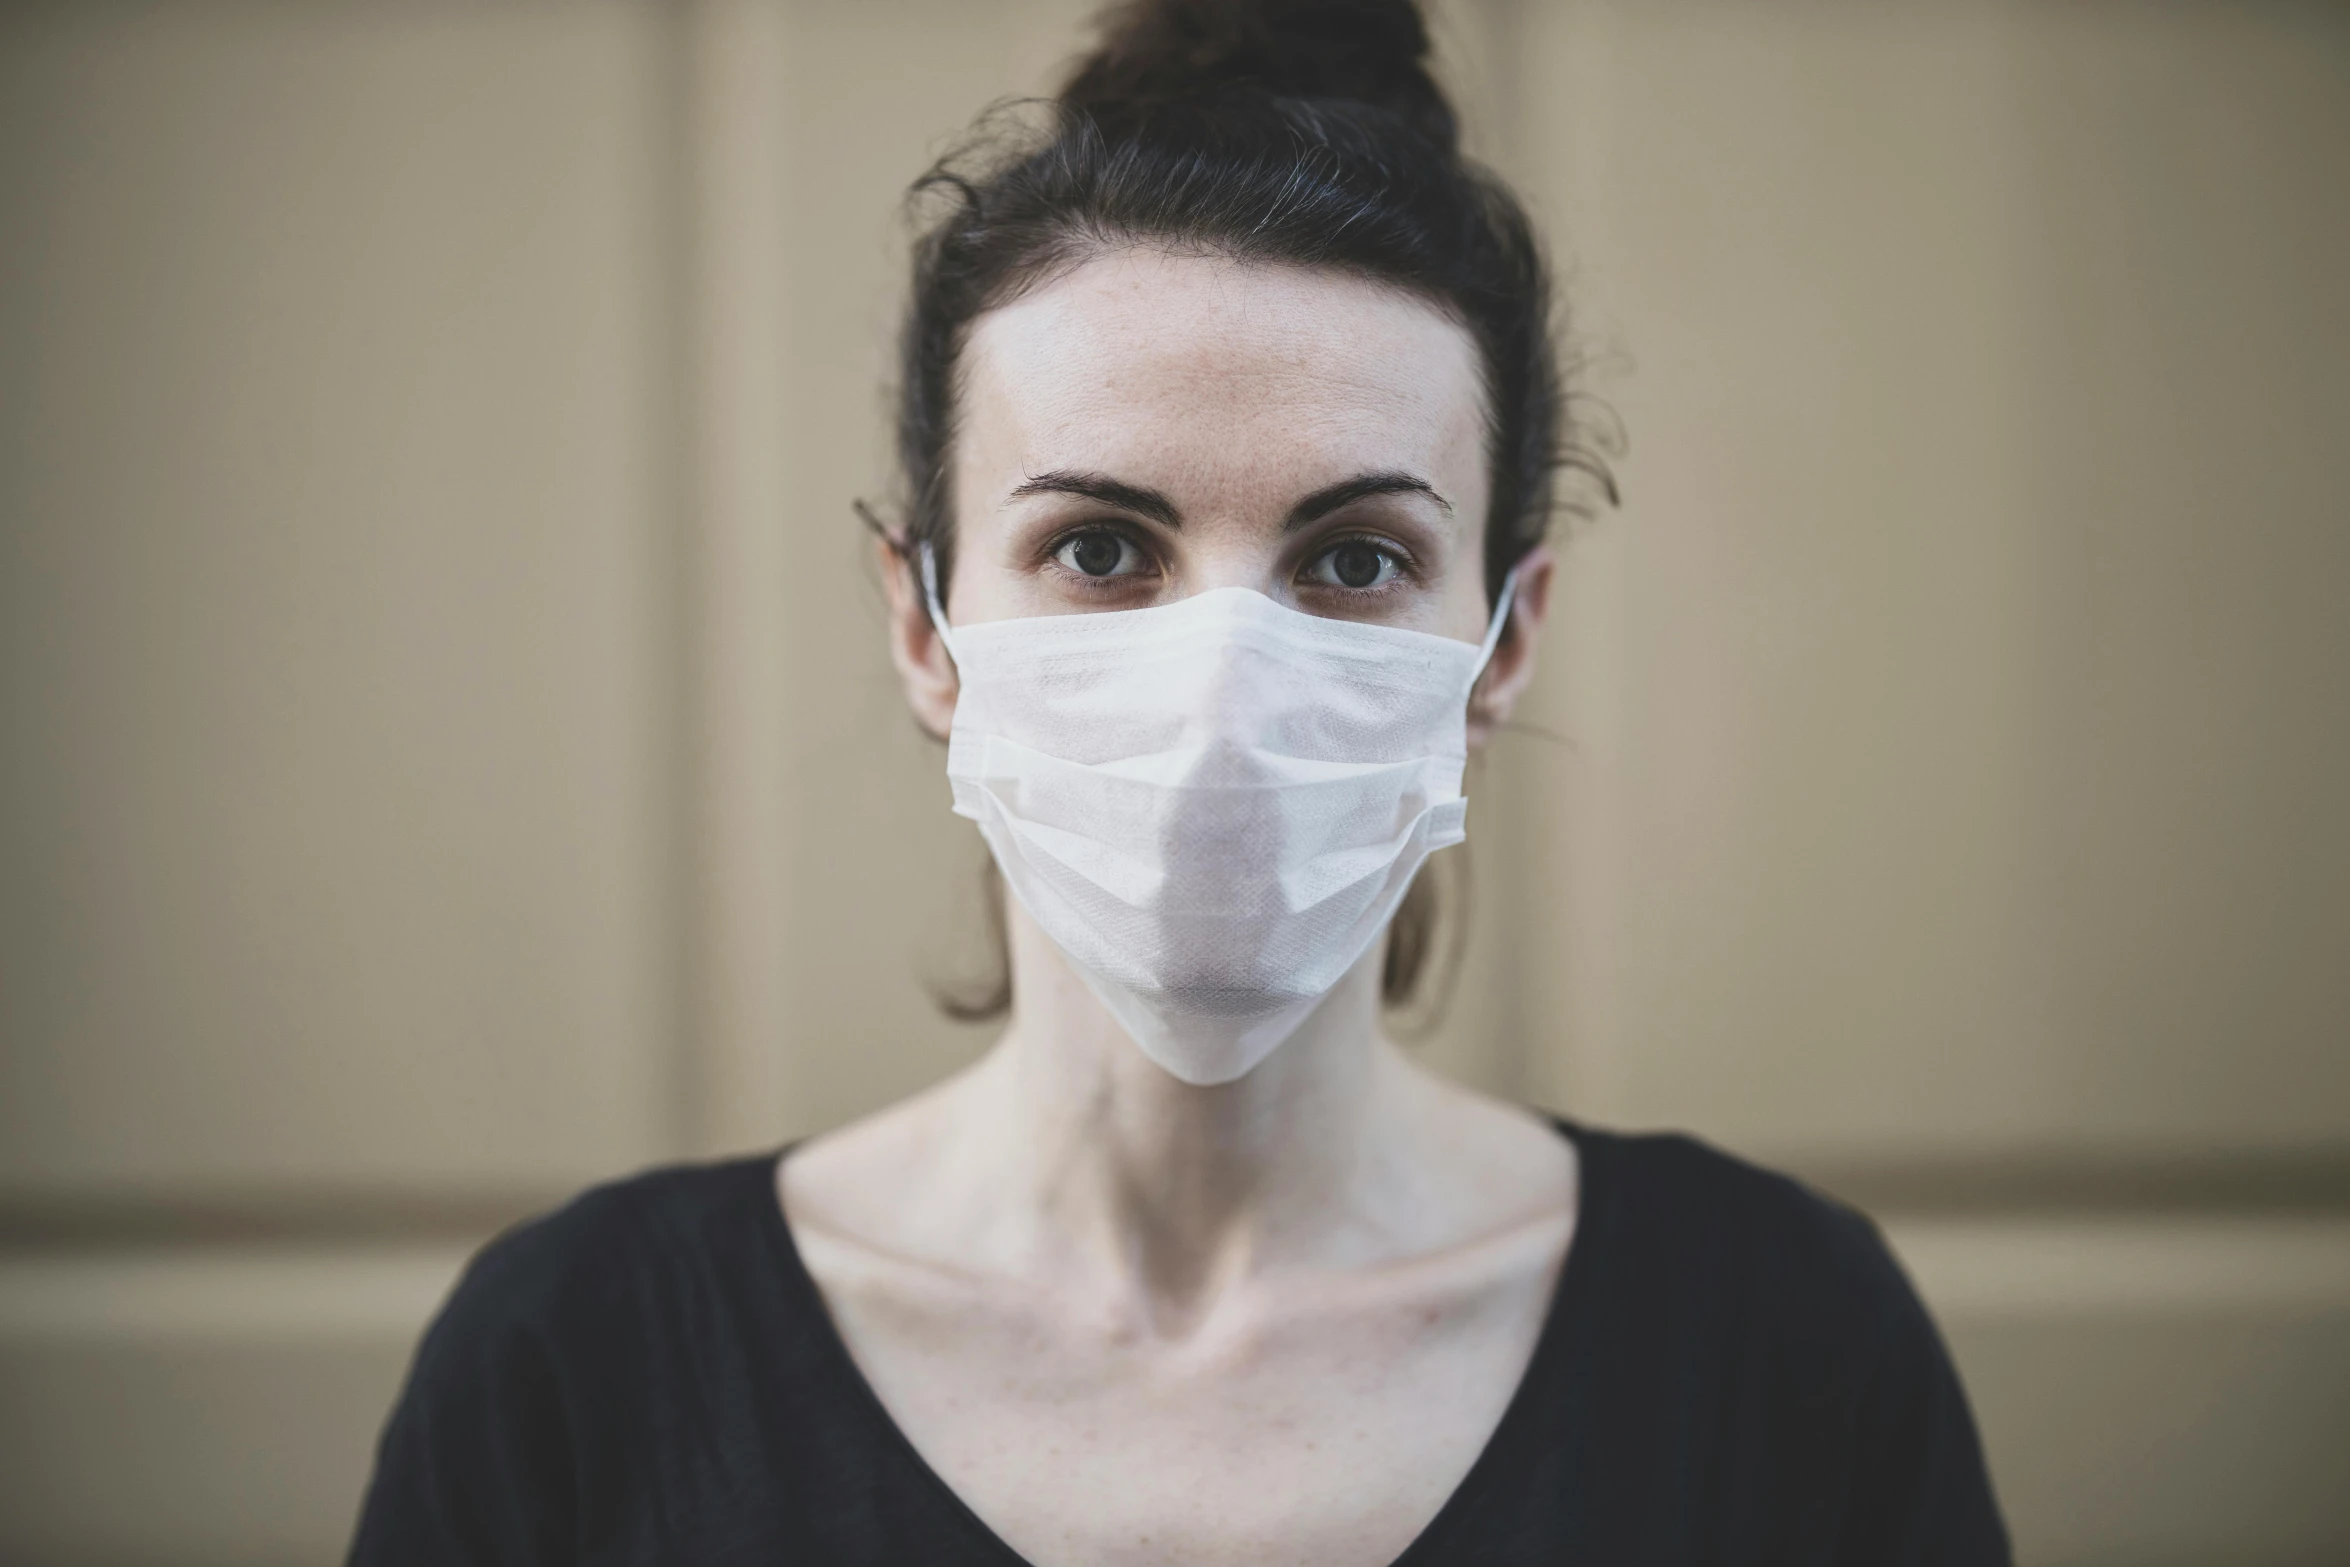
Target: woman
(1229,420)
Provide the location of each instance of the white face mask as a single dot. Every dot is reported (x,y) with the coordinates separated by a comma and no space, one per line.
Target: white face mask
(1212,806)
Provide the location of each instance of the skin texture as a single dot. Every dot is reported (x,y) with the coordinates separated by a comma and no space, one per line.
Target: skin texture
(1128,1320)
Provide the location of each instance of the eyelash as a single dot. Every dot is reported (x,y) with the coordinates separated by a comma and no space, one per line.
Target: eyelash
(1060,541)
(1406,568)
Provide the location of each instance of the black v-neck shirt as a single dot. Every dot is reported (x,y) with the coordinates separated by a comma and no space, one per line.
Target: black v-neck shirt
(1733,1369)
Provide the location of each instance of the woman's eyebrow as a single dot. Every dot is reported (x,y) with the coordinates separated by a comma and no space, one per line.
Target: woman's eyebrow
(1110,492)
(1150,503)
(1345,492)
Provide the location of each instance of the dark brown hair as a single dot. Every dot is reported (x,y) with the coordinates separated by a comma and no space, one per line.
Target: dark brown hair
(1303,132)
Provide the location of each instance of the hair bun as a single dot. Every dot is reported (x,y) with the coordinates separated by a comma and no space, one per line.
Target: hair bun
(1361,51)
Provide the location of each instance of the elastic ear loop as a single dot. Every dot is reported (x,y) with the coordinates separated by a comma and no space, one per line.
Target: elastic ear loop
(1501,623)
(938,614)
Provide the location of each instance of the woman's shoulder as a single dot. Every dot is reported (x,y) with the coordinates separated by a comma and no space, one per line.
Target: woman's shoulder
(564,1269)
(536,1388)
(1747,1302)
(1683,1214)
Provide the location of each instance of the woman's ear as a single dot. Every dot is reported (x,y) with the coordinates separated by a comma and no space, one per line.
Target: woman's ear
(915,645)
(1497,691)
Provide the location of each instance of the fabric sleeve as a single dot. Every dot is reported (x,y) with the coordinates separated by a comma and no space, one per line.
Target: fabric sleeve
(1921,1496)
(476,1463)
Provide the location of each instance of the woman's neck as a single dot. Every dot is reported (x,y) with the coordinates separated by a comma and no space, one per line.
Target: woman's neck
(1106,1166)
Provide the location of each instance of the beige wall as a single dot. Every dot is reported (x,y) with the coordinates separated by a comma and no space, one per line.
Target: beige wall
(449,755)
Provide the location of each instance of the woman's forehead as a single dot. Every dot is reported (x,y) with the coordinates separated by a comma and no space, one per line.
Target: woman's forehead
(1138,353)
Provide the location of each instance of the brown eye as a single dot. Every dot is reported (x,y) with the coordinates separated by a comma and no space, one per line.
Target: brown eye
(1355,563)
(1099,554)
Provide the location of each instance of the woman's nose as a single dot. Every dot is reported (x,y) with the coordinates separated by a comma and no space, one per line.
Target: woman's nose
(1208,562)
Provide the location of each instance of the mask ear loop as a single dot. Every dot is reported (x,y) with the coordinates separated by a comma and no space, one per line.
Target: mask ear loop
(1500,623)
(938,614)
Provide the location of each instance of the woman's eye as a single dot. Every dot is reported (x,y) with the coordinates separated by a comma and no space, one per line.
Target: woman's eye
(1100,554)
(1355,563)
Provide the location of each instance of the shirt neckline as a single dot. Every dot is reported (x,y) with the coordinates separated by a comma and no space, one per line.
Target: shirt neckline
(1567,1293)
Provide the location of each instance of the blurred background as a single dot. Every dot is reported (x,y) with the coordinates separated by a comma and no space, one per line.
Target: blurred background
(448,756)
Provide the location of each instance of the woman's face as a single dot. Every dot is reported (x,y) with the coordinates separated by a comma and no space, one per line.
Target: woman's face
(1150,426)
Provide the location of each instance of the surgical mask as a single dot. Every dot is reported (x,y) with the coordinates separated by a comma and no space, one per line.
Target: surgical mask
(1214,806)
